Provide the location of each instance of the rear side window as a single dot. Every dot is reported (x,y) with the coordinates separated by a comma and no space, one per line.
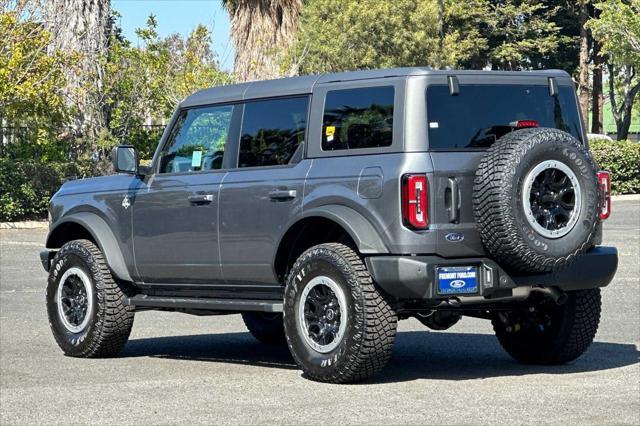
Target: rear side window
(197,140)
(358,118)
(478,115)
(272,131)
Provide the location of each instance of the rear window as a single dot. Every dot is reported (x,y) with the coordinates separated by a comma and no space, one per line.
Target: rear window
(479,114)
(358,118)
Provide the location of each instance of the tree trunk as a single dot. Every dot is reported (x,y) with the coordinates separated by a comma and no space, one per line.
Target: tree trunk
(597,99)
(82,26)
(441,32)
(583,77)
(262,32)
(622,109)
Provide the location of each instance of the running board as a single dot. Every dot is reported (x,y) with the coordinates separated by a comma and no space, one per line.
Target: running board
(239,305)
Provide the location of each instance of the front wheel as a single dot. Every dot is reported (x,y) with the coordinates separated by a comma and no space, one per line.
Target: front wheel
(545,333)
(87,313)
(339,327)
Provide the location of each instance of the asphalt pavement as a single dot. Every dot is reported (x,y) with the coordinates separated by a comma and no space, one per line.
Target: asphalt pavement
(179,368)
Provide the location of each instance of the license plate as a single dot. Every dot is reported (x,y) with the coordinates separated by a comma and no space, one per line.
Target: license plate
(457,280)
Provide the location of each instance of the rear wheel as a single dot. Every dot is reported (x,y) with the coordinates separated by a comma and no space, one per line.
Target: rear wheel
(87,313)
(339,327)
(545,333)
(266,327)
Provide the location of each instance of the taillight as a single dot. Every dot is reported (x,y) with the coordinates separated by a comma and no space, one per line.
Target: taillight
(414,201)
(523,124)
(604,181)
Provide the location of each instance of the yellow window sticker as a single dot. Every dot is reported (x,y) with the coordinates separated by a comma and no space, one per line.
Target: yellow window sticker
(329,132)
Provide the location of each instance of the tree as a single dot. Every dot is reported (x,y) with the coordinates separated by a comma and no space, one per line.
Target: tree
(31,78)
(519,32)
(262,32)
(338,35)
(618,29)
(83,27)
(143,84)
(501,34)
(583,75)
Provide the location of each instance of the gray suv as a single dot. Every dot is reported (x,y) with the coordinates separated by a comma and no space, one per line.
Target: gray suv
(326,208)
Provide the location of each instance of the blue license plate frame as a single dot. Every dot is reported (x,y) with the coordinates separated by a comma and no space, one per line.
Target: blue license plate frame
(456,280)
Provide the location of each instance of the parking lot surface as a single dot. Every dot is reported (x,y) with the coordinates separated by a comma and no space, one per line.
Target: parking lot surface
(179,368)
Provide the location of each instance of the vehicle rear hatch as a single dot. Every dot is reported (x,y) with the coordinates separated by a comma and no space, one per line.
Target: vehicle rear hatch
(465,115)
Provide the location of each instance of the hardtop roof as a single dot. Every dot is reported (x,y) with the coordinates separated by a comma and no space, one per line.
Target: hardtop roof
(304,84)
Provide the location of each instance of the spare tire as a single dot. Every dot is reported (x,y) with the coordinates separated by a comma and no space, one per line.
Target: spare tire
(536,200)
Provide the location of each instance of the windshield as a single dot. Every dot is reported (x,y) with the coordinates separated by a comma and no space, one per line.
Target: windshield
(480,114)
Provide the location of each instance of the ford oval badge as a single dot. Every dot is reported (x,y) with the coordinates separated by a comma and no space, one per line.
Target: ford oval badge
(454,237)
(457,283)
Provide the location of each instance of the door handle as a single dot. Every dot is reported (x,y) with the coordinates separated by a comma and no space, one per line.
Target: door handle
(283,194)
(454,211)
(199,199)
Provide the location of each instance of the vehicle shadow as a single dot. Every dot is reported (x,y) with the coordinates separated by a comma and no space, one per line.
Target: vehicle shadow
(416,355)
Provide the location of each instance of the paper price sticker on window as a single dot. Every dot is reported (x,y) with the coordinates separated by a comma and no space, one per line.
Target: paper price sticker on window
(196,159)
(329,132)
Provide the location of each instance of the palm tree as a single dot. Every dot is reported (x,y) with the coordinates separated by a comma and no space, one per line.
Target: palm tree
(83,27)
(261,31)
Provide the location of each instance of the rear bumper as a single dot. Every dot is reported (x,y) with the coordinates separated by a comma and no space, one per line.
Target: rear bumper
(413,277)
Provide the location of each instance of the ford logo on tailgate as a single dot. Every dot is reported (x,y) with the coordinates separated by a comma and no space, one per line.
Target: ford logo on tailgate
(454,237)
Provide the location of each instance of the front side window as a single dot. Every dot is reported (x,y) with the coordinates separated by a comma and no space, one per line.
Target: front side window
(272,131)
(358,118)
(197,140)
(480,114)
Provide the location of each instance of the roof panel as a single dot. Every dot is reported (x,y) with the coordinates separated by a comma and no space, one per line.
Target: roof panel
(305,84)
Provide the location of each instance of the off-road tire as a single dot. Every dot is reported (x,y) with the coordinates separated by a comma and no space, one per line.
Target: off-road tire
(499,210)
(573,327)
(110,324)
(267,328)
(371,321)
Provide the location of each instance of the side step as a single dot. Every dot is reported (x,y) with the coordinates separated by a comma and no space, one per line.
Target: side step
(239,305)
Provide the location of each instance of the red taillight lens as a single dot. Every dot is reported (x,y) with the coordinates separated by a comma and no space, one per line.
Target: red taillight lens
(604,181)
(523,124)
(414,201)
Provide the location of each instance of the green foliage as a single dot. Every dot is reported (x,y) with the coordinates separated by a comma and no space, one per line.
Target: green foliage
(622,159)
(339,35)
(618,29)
(148,81)
(31,77)
(26,186)
(519,30)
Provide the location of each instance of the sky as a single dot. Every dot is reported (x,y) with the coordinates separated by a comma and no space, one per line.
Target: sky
(179,16)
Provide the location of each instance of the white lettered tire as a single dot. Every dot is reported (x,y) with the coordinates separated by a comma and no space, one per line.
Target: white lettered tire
(87,313)
(339,327)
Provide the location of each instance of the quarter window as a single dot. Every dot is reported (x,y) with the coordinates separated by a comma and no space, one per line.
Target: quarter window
(197,140)
(272,131)
(358,118)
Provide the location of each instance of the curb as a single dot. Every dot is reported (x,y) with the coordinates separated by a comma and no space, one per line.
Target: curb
(626,197)
(29,224)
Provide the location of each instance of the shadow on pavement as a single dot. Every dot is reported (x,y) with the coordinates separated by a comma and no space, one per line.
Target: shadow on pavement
(416,355)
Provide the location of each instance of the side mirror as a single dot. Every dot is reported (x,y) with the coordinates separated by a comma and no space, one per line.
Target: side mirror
(125,159)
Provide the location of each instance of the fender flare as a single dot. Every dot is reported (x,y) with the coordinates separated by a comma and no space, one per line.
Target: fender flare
(357,226)
(104,238)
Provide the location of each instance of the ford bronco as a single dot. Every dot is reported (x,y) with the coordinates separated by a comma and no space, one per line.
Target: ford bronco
(325,209)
